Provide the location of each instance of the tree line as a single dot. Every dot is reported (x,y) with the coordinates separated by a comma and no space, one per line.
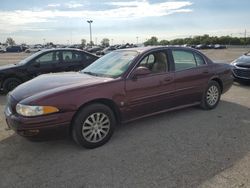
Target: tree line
(204,39)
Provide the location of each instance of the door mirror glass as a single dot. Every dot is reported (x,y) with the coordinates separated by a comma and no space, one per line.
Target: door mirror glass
(36,64)
(140,71)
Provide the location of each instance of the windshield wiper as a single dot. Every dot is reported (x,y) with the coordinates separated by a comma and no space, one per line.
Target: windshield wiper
(90,73)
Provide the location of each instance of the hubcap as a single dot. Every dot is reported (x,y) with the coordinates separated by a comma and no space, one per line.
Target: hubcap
(96,127)
(212,95)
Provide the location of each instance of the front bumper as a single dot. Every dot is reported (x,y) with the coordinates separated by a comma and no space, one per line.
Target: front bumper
(31,126)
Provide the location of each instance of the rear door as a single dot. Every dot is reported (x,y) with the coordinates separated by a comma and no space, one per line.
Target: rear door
(75,60)
(150,93)
(191,76)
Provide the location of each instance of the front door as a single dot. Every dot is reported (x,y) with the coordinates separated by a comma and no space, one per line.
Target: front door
(150,93)
(46,63)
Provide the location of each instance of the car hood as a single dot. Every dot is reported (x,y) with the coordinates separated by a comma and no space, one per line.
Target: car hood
(4,67)
(243,64)
(55,82)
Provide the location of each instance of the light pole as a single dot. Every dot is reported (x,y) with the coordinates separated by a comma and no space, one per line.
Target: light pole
(137,40)
(90,31)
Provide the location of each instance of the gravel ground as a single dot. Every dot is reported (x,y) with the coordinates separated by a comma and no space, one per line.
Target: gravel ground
(185,148)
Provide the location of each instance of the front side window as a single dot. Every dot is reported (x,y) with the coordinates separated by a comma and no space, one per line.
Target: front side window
(156,62)
(51,57)
(183,60)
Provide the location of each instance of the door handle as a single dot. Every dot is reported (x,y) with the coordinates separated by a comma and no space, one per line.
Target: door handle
(205,72)
(167,79)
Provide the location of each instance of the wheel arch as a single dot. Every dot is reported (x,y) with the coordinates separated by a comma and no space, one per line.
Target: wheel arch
(10,76)
(219,81)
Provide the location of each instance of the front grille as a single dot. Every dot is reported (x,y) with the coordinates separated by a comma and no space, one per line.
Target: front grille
(244,73)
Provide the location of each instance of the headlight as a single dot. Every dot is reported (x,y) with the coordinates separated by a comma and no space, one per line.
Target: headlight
(26,110)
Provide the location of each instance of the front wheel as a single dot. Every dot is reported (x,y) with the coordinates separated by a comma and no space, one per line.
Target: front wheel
(211,96)
(10,83)
(93,126)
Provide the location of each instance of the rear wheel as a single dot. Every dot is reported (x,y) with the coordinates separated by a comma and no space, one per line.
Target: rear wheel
(11,83)
(211,96)
(93,126)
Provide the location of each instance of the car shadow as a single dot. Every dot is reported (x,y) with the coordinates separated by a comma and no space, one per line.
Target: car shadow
(242,83)
(184,148)
(2,99)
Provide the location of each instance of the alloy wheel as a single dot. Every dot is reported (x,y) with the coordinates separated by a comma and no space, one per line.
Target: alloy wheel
(212,95)
(96,127)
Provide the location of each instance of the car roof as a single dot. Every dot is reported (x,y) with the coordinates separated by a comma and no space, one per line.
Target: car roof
(62,49)
(59,49)
(151,48)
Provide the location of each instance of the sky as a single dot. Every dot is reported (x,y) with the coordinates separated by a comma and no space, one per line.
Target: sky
(65,21)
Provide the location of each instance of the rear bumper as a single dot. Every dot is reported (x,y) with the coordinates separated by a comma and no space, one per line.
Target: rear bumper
(32,126)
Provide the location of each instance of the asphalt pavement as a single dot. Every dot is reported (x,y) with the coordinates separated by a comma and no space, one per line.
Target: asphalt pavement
(185,148)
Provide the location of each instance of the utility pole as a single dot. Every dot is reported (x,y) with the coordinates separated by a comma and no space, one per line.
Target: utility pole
(90,31)
(137,40)
(245,37)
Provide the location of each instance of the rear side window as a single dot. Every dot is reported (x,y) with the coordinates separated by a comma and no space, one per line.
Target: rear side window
(71,56)
(67,56)
(199,59)
(76,56)
(183,60)
(88,58)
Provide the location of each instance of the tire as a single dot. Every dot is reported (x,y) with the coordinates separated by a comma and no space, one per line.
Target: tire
(10,83)
(211,96)
(93,125)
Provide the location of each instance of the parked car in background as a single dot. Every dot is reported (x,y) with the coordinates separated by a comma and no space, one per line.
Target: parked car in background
(38,47)
(106,50)
(201,46)
(219,46)
(33,50)
(94,49)
(46,61)
(16,48)
(77,46)
(121,86)
(241,68)
(210,46)
(2,50)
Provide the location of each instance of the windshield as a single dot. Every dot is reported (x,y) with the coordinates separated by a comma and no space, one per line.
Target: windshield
(27,59)
(111,65)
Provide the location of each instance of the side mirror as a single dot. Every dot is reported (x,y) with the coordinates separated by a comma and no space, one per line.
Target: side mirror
(36,64)
(140,71)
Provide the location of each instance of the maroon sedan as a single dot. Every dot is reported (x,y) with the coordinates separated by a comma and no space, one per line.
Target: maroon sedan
(119,87)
